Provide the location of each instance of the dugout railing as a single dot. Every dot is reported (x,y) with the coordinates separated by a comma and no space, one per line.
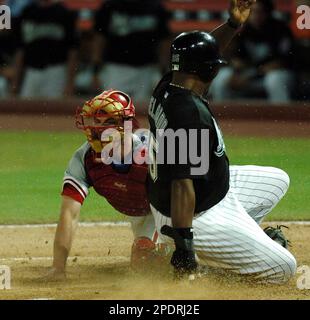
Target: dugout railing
(185,14)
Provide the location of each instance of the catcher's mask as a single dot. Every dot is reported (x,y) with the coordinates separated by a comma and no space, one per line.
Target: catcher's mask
(108,110)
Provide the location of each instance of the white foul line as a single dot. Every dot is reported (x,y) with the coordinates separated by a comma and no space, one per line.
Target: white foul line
(54,225)
(19,259)
(122,224)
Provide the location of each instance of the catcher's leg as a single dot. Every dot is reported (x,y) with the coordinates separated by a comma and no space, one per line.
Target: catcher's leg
(143,226)
(145,254)
(259,189)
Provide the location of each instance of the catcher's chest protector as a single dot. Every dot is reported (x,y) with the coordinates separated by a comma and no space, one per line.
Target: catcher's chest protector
(126,192)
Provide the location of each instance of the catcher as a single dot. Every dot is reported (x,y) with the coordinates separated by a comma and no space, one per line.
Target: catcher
(122,185)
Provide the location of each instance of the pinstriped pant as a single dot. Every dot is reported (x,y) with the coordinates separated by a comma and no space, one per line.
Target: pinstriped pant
(228,235)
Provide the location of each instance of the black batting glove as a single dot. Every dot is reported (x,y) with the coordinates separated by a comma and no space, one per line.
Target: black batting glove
(184,262)
(183,258)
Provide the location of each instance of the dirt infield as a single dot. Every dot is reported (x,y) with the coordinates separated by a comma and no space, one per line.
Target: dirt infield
(99,269)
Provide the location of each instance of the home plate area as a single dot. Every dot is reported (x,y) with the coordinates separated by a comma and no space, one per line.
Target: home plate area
(99,268)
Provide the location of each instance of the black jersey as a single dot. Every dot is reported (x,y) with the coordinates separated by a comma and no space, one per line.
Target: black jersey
(133,30)
(46,34)
(177,108)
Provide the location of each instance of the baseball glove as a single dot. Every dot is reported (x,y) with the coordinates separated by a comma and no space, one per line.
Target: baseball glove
(277,235)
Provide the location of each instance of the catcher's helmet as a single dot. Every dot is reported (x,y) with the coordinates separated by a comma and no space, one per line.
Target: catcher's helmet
(107,110)
(196,52)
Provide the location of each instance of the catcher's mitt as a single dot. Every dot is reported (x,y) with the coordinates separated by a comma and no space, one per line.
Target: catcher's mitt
(277,235)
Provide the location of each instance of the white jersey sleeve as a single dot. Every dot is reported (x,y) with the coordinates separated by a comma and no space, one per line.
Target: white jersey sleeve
(75,174)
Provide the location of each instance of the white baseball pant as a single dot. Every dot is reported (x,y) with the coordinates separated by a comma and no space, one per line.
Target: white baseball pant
(44,83)
(228,235)
(138,82)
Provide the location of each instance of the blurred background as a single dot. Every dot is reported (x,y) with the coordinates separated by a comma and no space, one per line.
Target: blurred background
(77,48)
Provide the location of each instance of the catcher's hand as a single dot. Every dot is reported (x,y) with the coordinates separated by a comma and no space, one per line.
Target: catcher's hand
(240,10)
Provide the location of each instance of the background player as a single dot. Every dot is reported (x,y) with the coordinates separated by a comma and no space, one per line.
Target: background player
(215,215)
(122,28)
(47,73)
(123,185)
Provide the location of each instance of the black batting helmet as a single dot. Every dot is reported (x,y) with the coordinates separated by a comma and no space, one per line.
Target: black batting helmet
(196,52)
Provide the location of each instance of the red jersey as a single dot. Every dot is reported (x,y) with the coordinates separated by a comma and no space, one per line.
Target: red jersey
(123,186)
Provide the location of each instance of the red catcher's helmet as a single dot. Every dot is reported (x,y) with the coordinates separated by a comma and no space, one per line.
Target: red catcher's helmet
(107,110)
